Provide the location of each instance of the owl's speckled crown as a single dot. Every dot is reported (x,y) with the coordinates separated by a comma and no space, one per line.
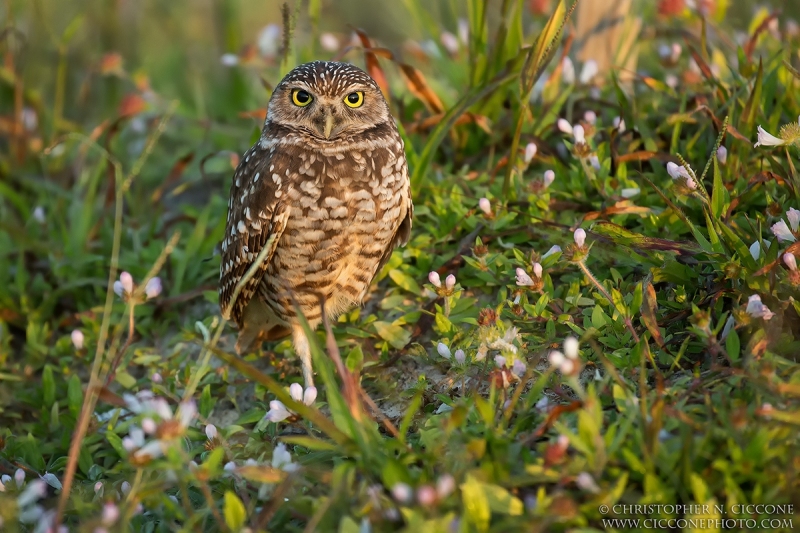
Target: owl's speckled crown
(330,77)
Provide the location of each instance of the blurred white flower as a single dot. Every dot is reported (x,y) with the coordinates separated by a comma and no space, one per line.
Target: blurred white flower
(463,30)
(589,71)
(445,485)
(530,152)
(77,339)
(555,249)
(781,230)
(594,161)
(173,428)
(629,192)
(500,361)
(98,488)
(556,358)
(549,178)
(282,459)
(568,71)
(586,482)
(125,488)
(664,51)
(523,279)
(36,490)
(790,260)
(133,441)
(269,41)
(567,366)
(329,42)
(757,309)
(677,171)
(110,514)
(767,139)
(153,287)
(426,495)
(564,125)
(30,119)
(156,377)
(619,124)
(537,270)
(229,60)
(450,282)
(671,80)
(722,155)
(460,356)
(485,206)
(580,237)
(579,134)
(571,346)
(19,477)
(518,368)
(211,431)
(38,214)
(449,41)
(298,394)
(402,492)
(434,278)
(124,285)
(590,116)
(149,426)
(443,350)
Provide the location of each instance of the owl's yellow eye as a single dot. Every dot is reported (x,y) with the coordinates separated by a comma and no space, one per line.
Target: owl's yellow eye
(354,99)
(300,97)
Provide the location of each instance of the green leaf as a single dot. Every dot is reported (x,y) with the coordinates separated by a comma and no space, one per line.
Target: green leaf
(476,504)
(74,395)
(720,198)
(355,358)
(206,402)
(392,333)
(404,281)
(48,386)
(234,511)
(501,501)
(732,345)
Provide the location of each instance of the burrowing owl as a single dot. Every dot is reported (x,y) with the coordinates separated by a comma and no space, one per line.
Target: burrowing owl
(317,205)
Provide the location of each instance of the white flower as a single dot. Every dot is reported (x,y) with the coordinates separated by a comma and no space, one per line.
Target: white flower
(678,171)
(537,270)
(149,426)
(98,488)
(530,152)
(676,51)
(722,155)
(153,287)
(443,350)
(564,126)
(77,338)
(449,41)
(185,415)
(211,431)
(125,488)
(589,71)
(587,483)
(567,71)
(556,358)
(134,440)
(19,477)
(755,250)
(485,205)
(434,278)
(555,249)
(571,347)
(127,282)
(156,377)
(523,279)
(282,459)
(307,396)
(277,411)
(793,215)
(594,161)
(629,192)
(500,361)
(463,30)
(230,466)
(444,408)
(426,495)
(664,51)
(757,309)
(329,42)
(269,41)
(590,117)
(790,261)
(549,178)
(619,124)
(35,490)
(38,214)
(518,368)
(567,366)
(767,139)
(578,134)
(229,60)
(580,237)
(402,492)
(110,514)
(445,486)
(450,282)
(460,356)
(782,232)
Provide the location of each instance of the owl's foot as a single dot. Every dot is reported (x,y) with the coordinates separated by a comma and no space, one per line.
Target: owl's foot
(303,350)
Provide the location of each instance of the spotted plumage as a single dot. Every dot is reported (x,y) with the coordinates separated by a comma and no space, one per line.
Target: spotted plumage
(316,206)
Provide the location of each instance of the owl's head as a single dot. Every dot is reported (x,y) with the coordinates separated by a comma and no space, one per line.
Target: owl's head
(328,100)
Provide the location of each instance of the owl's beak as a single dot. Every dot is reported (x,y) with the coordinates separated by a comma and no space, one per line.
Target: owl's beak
(328,125)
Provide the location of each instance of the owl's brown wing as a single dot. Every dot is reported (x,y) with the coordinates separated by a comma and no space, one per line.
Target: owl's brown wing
(256,220)
(403,233)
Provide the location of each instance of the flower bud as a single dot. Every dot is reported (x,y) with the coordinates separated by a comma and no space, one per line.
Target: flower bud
(485,206)
(77,339)
(580,237)
(450,282)
(434,278)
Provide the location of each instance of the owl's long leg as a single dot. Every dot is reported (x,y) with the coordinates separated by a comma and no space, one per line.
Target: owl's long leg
(303,350)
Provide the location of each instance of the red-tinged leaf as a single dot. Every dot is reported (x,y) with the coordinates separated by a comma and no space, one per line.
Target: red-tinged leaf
(258,114)
(648,310)
(261,474)
(416,83)
(131,104)
(174,175)
(750,46)
(373,67)
(111,63)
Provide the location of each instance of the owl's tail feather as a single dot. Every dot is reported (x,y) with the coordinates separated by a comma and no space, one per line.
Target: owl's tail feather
(258,325)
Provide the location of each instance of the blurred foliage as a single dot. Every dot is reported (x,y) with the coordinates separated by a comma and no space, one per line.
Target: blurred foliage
(446,403)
